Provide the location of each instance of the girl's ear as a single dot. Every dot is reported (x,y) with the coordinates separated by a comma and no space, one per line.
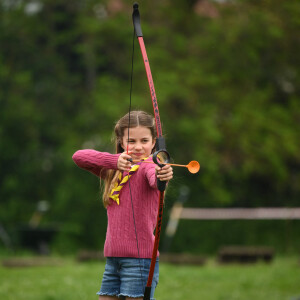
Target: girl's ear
(122,145)
(120,142)
(123,138)
(153,144)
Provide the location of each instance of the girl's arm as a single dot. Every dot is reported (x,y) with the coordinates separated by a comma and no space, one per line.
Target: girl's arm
(94,161)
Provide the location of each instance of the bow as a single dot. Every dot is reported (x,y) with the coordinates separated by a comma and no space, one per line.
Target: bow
(161,155)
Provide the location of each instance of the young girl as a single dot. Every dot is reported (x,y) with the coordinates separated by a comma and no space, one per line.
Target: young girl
(131,205)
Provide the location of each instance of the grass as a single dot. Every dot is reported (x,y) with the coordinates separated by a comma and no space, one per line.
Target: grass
(68,279)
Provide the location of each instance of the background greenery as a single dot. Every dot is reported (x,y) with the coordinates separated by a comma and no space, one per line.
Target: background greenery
(227,81)
(69,280)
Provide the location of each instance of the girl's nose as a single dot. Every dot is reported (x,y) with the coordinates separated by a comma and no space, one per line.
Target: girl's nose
(138,146)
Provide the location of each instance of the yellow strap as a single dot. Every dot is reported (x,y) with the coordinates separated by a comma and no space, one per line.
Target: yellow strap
(115,192)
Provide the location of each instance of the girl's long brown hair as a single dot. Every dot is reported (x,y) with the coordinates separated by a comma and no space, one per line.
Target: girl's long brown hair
(137,118)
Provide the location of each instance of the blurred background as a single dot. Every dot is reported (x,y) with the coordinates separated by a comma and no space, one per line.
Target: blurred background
(227,80)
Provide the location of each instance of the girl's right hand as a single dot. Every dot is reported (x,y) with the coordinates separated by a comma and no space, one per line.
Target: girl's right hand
(123,162)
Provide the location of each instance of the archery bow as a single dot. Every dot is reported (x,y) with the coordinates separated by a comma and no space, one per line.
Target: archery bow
(161,155)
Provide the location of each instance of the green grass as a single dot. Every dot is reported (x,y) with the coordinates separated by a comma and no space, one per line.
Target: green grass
(69,280)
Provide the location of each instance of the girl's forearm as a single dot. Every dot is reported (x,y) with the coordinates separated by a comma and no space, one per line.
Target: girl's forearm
(94,161)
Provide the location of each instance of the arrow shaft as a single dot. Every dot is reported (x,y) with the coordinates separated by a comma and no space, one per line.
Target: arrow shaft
(152,162)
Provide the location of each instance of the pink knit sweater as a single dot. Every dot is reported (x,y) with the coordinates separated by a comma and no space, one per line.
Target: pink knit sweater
(120,235)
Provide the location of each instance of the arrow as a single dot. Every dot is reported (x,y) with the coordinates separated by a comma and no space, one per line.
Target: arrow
(193,166)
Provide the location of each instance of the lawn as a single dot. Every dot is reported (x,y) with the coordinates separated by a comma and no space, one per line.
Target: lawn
(70,280)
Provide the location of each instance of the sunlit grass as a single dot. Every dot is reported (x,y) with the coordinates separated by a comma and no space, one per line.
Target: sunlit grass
(68,279)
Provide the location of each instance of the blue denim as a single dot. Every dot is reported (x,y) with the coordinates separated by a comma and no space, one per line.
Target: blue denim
(127,277)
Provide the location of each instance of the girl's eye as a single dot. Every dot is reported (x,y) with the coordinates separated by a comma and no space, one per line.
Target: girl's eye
(145,141)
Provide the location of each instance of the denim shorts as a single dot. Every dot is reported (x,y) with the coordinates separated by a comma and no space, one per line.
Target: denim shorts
(127,277)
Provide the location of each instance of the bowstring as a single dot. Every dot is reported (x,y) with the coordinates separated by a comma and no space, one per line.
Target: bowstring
(129,123)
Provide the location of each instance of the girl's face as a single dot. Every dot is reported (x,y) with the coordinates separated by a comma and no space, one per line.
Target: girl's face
(140,142)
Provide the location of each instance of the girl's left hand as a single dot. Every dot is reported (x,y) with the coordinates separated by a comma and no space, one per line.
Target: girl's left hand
(165,173)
